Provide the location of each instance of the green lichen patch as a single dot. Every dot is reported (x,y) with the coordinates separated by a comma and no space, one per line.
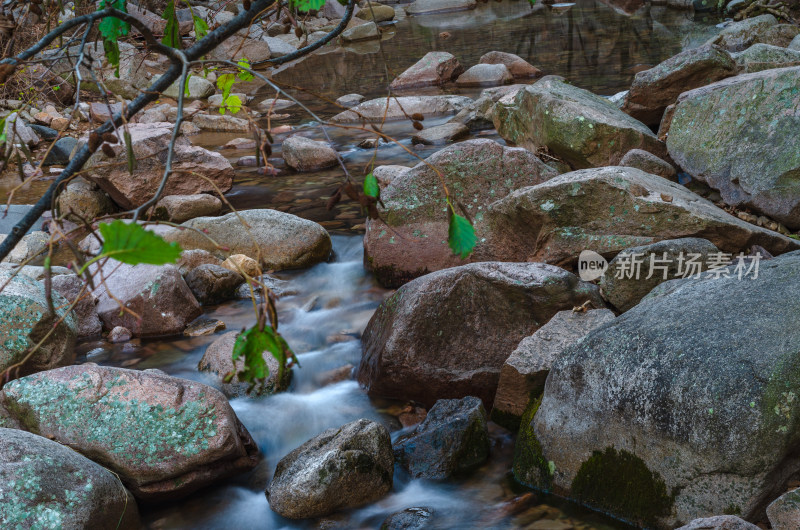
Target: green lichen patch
(620,482)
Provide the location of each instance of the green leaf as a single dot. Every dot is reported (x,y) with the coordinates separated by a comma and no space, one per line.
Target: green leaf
(132,244)
(371,186)
(225,83)
(233,104)
(244,75)
(461,236)
(186,86)
(112,29)
(250,346)
(200,27)
(172,33)
(307,5)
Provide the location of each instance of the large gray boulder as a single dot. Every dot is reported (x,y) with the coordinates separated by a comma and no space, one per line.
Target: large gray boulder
(760,57)
(409,239)
(305,154)
(654,89)
(26,321)
(683,407)
(525,371)
(741,35)
(278,240)
(448,333)
(607,210)
(738,136)
(719,522)
(582,128)
(164,437)
(48,485)
(338,469)
(453,439)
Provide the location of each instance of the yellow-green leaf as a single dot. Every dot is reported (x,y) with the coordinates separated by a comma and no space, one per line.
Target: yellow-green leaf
(371,185)
(461,235)
(132,244)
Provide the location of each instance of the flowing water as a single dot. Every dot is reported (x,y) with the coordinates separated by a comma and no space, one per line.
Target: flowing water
(597,45)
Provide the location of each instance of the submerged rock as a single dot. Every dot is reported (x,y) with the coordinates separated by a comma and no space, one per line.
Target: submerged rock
(409,519)
(48,485)
(338,469)
(579,127)
(683,407)
(752,166)
(525,371)
(26,321)
(435,68)
(217,360)
(278,240)
(607,210)
(448,333)
(408,240)
(164,437)
(452,440)
(655,89)
(402,107)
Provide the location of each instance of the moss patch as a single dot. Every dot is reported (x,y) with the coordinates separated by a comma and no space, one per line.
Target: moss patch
(620,482)
(530,466)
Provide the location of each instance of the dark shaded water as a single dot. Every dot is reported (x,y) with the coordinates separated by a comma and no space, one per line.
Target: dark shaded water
(592,44)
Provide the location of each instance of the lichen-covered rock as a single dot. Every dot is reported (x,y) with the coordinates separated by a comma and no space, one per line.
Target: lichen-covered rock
(607,210)
(683,407)
(338,469)
(305,154)
(73,288)
(398,108)
(47,485)
(25,320)
(784,512)
(582,128)
(212,284)
(518,66)
(435,68)
(452,440)
(217,360)
(741,35)
(760,57)
(448,333)
(157,296)
(164,437)
(409,239)
(625,283)
(649,163)
(737,135)
(525,371)
(221,123)
(719,522)
(654,89)
(150,143)
(278,240)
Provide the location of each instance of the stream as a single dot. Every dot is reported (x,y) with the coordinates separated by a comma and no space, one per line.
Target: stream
(324,309)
